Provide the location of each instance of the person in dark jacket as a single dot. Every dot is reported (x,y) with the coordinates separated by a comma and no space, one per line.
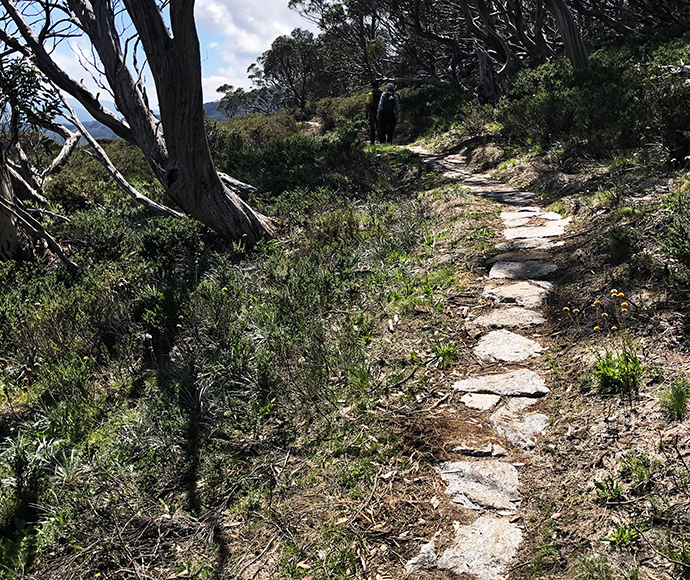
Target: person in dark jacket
(388,112)
(371,110)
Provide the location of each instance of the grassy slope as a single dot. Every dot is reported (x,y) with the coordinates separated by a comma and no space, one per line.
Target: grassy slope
(181,407)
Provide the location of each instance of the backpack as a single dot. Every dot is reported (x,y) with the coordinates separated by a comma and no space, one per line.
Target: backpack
(388,103)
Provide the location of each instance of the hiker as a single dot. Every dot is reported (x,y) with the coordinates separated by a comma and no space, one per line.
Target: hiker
(387,115)
(371,111)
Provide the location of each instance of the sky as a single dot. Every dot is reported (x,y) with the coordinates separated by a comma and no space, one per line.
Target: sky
(234,33)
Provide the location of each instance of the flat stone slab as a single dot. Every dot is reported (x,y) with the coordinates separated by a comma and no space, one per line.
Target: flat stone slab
(548,231)
(523,212)
(483,549)
(479,401)
(506,346)
(517,222)
(519,256)
(486,483)
(529,269)
(528,244)
(521,293)
(520,383)
(519,428)
(553,216)
(509,317)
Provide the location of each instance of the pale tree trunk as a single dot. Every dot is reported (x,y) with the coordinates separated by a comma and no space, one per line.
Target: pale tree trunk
(574,46)
(176,146)
(190,177)
(9,235)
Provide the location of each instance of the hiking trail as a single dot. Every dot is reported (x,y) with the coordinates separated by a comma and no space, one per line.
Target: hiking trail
(486,482)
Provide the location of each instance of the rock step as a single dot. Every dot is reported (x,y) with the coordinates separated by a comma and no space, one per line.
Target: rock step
(519,383)
(506,346)
(527,270)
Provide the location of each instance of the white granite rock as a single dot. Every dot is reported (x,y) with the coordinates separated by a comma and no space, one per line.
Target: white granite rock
(481,402)
(426,557)
(529,269)
(550,230)
(480,484)
(520,383)
(520,429)
(509,317)
(521,293)
(506,346)
(483,549)
(529,244)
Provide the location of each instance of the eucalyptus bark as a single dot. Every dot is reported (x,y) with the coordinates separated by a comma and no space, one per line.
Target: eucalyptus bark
(175,146)
(9,234)
(574,46)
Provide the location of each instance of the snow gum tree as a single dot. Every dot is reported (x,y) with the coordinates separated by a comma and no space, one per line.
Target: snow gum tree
(164,35)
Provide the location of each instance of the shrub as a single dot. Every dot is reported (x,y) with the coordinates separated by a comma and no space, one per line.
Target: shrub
(299,162)
(618,372)
(674,398)
(338,112)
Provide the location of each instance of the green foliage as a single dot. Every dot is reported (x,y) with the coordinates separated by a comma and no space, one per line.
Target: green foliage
(627,99)
(674,398)
(171,372)
(618,372)
(676,547)
(298,162)
(340,112)
(623,535)
(609,491)
(248,132)
(595,566)
(443,354)
(675,240)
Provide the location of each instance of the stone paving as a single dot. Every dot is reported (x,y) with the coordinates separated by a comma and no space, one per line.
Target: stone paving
(487,483)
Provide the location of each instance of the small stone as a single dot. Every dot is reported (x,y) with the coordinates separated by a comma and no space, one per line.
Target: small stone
(517,404)
(526,270)
(520,383)
(480,402)
(481,484)
(528,244)
(483,549)
(474,451)
(426,557)
(510,317)
(506,346)
(498,451)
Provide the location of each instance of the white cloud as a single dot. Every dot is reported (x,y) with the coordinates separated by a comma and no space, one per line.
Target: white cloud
(234,33)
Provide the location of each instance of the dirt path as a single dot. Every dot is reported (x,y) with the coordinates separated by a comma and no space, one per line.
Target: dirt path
(486,483)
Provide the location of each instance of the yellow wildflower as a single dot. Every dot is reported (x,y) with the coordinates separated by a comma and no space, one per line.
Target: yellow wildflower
(566,309)
(597,303)
(596,327)
(614,328)
(624,304)
(576,310)
(624,309)
(620,295)
(604,314)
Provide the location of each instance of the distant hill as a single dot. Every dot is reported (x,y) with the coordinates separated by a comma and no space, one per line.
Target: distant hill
(100,131)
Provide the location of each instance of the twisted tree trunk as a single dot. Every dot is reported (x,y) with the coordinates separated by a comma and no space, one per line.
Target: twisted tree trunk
(176,146)
(9,234)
